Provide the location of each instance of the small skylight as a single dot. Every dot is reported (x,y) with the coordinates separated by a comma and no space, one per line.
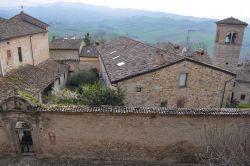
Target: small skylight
(120,63)
(112,52)
(116,57)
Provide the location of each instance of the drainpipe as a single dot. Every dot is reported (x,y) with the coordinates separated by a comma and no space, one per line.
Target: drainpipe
(31,47)
(224,89)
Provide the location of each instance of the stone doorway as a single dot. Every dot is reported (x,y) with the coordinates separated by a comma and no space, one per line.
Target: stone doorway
(23,132)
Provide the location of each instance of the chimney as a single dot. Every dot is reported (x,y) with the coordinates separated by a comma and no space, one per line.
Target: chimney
(160,56)
(200,51)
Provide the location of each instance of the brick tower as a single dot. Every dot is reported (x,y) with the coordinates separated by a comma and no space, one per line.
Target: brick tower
(228,42)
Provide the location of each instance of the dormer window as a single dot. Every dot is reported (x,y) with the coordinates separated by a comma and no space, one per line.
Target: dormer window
(230,38)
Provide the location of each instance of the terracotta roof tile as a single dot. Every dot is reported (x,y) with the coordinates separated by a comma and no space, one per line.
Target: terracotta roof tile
(148,110)
(30,78)
(231,21)
(125,58)
(17,27)
(89,51)
(65,44)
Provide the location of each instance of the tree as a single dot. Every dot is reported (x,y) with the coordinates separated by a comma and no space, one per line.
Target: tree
(87,39)
(96,95)
(83,77)
(225,145)
(89,94)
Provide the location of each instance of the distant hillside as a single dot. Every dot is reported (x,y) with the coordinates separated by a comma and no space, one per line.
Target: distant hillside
(75,19)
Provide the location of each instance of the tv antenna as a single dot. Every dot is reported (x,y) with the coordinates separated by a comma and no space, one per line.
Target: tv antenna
(22,8)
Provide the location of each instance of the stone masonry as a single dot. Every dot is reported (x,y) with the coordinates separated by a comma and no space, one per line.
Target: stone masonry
(35,49)
(120,133)
(226,56)
(205,87)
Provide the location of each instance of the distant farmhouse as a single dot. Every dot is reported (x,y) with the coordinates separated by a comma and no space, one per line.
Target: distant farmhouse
(75,53)
(24,58)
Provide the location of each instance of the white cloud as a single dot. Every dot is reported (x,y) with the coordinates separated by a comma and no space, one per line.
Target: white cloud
(198,8)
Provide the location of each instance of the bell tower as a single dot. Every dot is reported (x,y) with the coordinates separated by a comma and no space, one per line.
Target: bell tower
(228,42)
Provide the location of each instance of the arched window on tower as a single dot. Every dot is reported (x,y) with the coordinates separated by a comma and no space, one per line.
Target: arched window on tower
(230,38)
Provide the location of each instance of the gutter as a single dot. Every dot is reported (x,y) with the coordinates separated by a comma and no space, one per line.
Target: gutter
(224,89)
(32,54)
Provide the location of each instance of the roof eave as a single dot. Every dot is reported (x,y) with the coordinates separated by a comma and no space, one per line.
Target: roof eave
(19,36)
(167,65)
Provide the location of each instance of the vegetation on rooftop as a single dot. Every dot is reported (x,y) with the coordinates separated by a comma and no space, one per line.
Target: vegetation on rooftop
(28,96)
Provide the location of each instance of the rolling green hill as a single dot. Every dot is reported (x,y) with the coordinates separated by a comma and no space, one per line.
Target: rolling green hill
(74,19)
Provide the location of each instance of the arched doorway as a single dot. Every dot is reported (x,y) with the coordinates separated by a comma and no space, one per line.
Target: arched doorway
(24,137)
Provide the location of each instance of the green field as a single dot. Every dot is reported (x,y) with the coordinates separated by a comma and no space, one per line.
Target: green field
(150,30)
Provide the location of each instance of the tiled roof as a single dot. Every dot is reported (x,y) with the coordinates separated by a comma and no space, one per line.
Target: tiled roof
(6,90)
(244,72)
(25,17)
(177,49)
(20,25)
(148,110)
(65,44)
(89,51)
(125,58)
(231,21)
(53,67)
(30,78)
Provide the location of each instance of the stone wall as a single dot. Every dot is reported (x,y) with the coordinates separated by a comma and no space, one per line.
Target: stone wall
(242,88)
(227,56)
(147,134)
(64,54)
(89,63)
(205,87)
(60,84)
(34,50)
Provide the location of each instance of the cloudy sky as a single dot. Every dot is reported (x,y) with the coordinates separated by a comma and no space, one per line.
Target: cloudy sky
(199,8)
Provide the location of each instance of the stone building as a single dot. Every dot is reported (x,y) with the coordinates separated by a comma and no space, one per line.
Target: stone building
(241,91)
(23,40)
(228,43)
(24,58)
(66,51)
(73,52)
(89,58)
(162,77)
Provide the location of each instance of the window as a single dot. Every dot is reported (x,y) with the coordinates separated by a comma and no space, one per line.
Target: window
(64,75)
(138,89)
(242,97)
(20,54)
(183,80)
(164,104)
(230,38)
